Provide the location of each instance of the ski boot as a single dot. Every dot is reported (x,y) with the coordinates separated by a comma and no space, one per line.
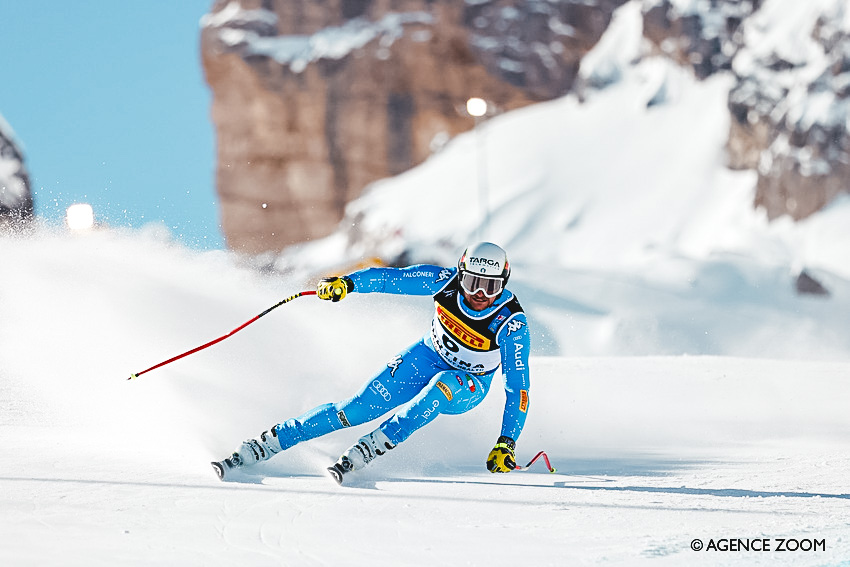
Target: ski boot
(367,449)
(249,453)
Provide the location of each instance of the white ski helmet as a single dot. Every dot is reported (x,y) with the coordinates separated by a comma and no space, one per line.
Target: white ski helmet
(484,266)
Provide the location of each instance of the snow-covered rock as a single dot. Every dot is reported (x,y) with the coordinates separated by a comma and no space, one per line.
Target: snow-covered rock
(314,101)
(16,204)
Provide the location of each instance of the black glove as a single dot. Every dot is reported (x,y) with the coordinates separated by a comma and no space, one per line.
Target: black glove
(334,288)
(502,457)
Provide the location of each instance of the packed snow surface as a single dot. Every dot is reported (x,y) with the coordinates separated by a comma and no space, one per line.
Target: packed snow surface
(651,452)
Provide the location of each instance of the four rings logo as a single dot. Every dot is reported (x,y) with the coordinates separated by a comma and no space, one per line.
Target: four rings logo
(382,390)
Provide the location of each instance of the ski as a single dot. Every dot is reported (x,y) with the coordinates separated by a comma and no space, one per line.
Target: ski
(226,471)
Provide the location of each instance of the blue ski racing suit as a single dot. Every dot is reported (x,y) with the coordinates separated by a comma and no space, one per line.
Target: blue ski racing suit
(448,371)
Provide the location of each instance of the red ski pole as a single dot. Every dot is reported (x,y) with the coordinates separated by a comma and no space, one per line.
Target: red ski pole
(537,456)
(221,338)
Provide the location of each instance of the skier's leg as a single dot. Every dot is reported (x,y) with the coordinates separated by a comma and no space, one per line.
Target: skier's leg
(401,379)
(449,392)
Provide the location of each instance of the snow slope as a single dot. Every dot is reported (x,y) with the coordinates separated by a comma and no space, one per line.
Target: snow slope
(653,452)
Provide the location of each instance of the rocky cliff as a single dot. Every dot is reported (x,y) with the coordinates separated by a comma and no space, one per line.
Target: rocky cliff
(790,107)
(315,99)
(16,204)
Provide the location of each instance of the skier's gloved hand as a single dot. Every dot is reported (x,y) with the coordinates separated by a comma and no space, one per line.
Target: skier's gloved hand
(502,457)
(334,289)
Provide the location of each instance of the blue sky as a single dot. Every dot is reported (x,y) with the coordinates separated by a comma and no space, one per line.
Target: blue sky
(109,102)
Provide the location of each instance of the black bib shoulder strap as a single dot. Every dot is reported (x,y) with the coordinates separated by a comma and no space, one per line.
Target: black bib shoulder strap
(502,315)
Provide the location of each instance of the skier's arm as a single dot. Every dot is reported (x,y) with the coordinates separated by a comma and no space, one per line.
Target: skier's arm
(420,279)
(515,344)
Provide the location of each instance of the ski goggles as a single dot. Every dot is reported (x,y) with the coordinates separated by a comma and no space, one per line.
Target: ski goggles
(473,283)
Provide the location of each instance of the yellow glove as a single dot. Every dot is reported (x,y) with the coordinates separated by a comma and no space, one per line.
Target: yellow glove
(334,288)
(502,457)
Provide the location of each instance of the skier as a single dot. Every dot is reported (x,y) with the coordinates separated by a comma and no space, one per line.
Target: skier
(478,324)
